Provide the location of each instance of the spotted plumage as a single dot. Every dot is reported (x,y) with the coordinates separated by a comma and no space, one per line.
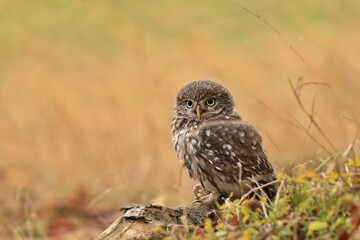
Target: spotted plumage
(219,149)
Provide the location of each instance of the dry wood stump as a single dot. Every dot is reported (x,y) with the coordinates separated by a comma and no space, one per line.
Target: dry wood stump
(138,222)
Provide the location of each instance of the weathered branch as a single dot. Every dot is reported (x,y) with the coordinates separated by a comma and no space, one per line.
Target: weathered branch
(138,222)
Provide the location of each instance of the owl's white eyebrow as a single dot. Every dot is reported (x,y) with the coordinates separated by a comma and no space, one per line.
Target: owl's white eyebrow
(186,100)
(215,96)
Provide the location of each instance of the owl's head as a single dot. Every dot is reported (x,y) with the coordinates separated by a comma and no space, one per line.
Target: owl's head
(204,99)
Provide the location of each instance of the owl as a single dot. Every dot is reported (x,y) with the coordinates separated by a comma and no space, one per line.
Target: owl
(218,148)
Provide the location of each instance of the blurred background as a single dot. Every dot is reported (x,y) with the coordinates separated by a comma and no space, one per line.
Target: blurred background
(87,90)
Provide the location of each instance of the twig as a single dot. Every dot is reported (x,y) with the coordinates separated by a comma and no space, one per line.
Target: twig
(309,134)
(261,188)
(99,197)
(282,183)
(264,210)
(356,121)
(323,162)
(273,112)
(310,115)
(282,38)
(257,188)
(276,147)
(308,130)
(303,142)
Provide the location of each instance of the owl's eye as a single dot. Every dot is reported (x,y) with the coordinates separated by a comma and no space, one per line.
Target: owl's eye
(189,103)
(210,102)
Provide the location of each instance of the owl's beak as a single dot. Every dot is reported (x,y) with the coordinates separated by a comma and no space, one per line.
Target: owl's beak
(198,112)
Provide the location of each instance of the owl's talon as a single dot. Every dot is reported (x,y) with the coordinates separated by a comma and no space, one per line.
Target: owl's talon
(197,189)
(203,197)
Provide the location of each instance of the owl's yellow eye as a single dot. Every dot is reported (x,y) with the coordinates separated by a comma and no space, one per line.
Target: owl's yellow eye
(189,103)
(210,102)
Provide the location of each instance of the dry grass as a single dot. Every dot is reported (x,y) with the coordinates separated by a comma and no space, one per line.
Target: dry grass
(87,89)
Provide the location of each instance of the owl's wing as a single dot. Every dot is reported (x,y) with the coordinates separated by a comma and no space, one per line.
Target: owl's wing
(234,148)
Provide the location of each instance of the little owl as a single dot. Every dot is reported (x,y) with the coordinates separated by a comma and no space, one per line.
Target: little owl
(219,149)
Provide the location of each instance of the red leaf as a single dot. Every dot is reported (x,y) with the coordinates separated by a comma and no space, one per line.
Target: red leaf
(234,221)
(200,233)
(343,235)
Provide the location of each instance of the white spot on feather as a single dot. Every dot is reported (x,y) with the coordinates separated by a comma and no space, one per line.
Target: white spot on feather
(227,146)
(240,170)
(207,132)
